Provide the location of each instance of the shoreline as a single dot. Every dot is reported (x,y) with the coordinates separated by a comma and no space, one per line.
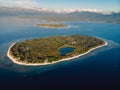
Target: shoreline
(68,26)
(14,60)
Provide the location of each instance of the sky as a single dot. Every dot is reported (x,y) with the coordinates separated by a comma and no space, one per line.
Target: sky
(105,5)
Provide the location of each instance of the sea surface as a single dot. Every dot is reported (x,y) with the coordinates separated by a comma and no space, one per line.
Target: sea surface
(99,69)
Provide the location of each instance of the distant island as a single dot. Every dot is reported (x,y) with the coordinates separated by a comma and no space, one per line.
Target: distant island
(46,51)
(52,25)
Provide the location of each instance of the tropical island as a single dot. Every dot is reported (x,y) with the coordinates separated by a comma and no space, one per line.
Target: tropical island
(52,25)
(51,50)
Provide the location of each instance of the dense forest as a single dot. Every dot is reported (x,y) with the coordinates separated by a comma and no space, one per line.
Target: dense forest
(47,49)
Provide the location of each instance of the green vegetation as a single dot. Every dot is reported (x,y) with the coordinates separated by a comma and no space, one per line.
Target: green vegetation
(52,25)
(47,49)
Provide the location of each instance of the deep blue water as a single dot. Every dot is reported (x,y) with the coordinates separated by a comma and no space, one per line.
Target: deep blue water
(98,70)
(66,50)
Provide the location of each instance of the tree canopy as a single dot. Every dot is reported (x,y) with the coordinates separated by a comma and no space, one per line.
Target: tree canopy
(47,49)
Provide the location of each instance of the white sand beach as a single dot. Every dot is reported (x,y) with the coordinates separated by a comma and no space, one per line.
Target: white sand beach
(15,60)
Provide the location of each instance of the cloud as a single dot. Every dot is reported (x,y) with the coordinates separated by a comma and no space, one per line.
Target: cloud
(19,3)
(26,3)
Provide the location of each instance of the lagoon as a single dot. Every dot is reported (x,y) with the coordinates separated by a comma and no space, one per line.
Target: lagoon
(66,50)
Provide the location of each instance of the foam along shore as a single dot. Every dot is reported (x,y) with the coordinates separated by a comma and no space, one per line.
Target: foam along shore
(15,60)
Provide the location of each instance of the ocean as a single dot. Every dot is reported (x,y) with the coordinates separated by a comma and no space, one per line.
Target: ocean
(99,69)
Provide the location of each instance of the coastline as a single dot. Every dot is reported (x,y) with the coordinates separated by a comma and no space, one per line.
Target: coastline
(14,60)
(68,26)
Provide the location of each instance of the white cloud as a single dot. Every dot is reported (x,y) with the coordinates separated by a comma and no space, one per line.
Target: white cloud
(26,3)
(19,3)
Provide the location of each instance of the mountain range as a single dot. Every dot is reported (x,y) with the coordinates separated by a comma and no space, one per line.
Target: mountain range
(82,15)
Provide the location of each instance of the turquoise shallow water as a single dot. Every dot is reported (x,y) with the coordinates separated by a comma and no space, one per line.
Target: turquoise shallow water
(100,68)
